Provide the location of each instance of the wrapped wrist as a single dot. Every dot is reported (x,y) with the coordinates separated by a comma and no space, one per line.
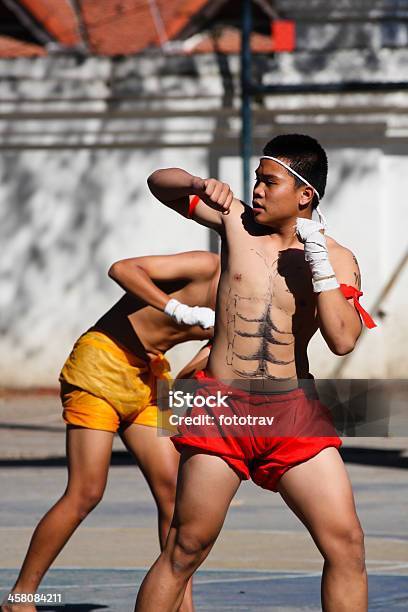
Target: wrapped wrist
(325,283)
(190,315)
(323,276)
(316,255)
(170,307)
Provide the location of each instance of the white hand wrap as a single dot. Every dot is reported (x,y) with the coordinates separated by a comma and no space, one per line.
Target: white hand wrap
(323,277)
(190,315)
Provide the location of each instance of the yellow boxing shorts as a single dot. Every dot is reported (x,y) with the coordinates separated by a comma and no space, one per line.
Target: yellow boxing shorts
(104,385)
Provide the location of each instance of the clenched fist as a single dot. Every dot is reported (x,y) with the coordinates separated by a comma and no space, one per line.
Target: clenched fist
(214,193)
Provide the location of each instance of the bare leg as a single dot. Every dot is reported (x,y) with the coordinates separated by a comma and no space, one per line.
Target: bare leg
(206,486)
(159,461)
(320,494)
(88,453)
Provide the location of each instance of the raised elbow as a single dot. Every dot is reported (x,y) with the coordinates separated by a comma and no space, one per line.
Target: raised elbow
(115,270)
(152,180)
(343,347)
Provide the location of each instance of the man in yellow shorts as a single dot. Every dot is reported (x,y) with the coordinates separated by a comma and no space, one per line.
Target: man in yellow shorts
(108,385)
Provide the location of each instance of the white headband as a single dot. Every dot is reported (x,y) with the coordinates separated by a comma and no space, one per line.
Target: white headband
(301,178)
(293,172)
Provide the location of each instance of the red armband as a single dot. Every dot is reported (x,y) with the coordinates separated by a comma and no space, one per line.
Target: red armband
(200,375)
(193,203)
(351,292)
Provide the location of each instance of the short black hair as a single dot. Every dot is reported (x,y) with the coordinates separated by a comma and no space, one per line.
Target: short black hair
(305,155)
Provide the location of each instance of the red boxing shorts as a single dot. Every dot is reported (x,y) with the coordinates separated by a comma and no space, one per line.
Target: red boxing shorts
(259,435)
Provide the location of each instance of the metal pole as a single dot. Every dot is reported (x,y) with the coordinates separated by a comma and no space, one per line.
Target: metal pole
(327,88)
(246,136)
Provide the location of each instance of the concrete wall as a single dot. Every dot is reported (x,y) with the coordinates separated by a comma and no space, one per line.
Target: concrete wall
(79,137)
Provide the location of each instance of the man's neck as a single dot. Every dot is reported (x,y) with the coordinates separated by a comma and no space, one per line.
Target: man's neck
(284,236)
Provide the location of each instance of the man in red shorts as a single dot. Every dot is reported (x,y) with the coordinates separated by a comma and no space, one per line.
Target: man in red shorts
(282,279)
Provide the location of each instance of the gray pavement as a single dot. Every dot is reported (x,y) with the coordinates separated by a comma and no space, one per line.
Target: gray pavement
(263,560)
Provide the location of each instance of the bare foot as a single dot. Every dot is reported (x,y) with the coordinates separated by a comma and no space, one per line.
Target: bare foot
(17,607)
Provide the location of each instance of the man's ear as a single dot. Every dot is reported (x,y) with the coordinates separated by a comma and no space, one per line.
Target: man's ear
(306,196)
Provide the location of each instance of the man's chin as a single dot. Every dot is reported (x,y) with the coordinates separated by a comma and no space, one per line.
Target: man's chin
(266,222)
(262,219)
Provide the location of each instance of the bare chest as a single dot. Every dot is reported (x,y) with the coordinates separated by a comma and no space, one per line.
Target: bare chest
(263,279)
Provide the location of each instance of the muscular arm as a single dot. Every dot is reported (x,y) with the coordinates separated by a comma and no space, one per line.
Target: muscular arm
(137,274)
(339,321)
(173,186)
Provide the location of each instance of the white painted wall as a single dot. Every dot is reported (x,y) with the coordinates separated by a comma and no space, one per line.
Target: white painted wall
(67,213)
(65,219)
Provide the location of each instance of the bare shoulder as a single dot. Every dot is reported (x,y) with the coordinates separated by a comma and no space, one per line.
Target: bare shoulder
(203,262)
(205,257)
(338,251)
(344,263)
(236,209)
